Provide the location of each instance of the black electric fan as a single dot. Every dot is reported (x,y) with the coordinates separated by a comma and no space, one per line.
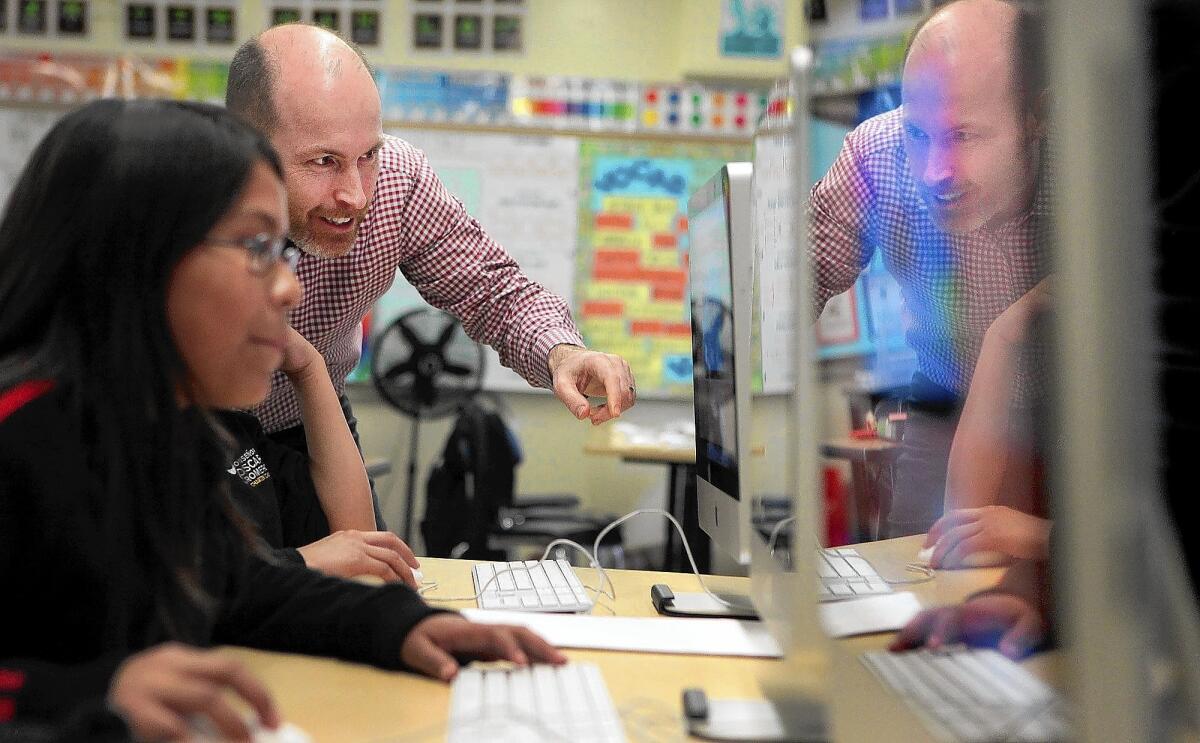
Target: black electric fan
(425,366)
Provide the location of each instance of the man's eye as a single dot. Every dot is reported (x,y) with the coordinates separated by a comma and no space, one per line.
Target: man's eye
(323,160)
(370,156)
(961,136)
(915,134)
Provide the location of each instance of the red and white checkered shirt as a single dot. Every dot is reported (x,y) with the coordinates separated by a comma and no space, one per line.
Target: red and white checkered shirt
(954,285)
(416,225)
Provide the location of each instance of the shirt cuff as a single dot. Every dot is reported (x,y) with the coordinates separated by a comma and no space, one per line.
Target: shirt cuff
(540,368)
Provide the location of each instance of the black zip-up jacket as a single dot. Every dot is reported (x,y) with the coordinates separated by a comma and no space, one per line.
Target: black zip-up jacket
(58,650)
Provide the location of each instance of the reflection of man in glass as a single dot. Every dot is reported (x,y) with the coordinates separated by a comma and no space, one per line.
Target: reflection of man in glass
(952,188)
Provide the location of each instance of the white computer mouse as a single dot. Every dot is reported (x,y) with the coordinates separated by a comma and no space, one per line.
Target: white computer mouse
(418,576)
(285,733)
(981,559)
(203,731)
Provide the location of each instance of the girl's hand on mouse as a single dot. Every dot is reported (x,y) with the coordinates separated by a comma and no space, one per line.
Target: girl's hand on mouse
(1001,529)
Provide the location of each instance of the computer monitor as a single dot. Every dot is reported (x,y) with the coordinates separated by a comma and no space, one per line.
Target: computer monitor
(721,271)
(783,581)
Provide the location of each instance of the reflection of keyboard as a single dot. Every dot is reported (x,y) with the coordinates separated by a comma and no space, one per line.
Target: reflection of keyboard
(538,703)
(844,575)
(549,585)
(972,694)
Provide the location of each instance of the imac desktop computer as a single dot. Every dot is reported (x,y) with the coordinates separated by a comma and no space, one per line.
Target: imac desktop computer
(721,270)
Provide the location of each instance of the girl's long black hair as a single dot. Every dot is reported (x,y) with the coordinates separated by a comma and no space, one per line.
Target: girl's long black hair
(109,202)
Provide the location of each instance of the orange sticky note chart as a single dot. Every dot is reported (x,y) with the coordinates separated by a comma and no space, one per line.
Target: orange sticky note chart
(614,221)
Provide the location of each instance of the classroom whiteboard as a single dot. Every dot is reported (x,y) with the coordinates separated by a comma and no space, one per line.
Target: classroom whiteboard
(20,131)
(523,189)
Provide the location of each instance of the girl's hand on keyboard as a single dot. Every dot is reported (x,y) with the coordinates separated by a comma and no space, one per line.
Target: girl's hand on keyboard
(1008,622)
(433,645)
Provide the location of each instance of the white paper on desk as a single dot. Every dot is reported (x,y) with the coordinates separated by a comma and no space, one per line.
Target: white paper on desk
(689,636)
(883,613)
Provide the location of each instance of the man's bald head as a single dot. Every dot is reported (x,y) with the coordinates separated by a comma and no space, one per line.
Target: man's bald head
(301,57)
(999,36)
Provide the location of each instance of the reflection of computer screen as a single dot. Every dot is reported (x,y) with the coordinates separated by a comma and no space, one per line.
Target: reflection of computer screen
(721,267)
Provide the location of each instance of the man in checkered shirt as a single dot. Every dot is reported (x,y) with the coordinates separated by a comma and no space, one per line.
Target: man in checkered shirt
(952,187)
(362,204)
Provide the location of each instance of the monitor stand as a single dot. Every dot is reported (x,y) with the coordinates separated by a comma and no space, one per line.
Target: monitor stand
(800,720)
(700,604)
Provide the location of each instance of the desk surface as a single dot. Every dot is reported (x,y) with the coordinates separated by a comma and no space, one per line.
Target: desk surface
(336,701)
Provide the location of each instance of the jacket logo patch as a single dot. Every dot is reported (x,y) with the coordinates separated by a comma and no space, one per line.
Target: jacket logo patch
(249,466)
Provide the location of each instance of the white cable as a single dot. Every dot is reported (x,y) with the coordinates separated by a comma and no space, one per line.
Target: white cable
(687,548)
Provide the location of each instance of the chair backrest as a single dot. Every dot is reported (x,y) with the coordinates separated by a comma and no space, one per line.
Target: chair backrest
(474,478)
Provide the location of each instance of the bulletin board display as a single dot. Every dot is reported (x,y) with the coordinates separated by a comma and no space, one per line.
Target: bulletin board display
(631,260)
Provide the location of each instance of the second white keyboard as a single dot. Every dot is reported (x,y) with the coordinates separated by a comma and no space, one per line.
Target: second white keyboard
(844,574)
(537,703)
(548,585)
(972,694)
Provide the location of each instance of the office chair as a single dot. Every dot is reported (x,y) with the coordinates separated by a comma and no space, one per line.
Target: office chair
(472,512)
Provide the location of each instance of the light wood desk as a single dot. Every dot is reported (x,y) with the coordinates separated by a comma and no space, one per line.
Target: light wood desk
(336,701)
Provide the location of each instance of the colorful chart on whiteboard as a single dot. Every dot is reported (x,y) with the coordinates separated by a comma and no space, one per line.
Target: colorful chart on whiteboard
(632,252)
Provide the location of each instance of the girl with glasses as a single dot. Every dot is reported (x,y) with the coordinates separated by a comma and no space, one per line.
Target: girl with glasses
(135,299)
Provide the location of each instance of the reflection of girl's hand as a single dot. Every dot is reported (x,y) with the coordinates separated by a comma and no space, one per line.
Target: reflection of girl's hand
(1003,620)
(1002,529)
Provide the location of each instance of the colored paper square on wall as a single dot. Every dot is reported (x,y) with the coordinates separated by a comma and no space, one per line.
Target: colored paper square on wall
(364,27)
(72,18)
(280,16)
(139,21)
(31,16)
(181,23)
(872,10)
(468,32)
(328,18)
(221,26)
(752,28)
(506,33)
(427,31)
(677,369)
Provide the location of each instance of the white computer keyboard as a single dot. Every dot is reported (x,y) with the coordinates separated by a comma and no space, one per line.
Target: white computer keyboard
(844,574)
(537,703)
(549,585)
(972,694)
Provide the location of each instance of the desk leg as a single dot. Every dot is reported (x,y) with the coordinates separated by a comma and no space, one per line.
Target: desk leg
(673,509)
